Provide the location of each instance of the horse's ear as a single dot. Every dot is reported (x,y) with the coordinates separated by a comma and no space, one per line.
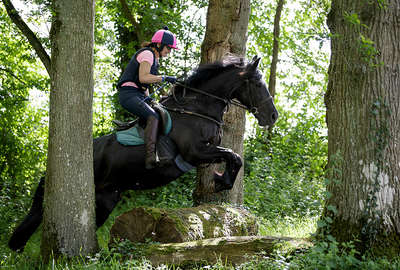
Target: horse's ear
(256,62)
(253,65)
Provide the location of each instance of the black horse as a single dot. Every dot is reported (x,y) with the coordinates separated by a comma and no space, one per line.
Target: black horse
(196,132)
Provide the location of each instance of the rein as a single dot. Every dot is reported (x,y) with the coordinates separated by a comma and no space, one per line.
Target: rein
(226,101)
(183,111)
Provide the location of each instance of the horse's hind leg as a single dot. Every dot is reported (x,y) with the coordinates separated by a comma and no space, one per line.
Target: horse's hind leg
(31,222)
(105,203)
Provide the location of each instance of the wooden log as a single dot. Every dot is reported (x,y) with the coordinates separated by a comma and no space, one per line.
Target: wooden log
(229,250)
(184,224)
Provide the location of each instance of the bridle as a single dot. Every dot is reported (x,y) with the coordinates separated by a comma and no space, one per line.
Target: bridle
(253,109)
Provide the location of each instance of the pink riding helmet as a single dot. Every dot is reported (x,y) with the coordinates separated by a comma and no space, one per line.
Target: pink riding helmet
(166,37)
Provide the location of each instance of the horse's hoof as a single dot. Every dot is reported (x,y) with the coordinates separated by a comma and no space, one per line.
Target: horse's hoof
(220,183)
(221,187)
(15,246)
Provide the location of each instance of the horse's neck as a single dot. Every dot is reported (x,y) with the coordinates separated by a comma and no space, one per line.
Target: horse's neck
(198,103)
(221,86)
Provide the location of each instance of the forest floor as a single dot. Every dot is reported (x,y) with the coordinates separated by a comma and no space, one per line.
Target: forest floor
(324,255)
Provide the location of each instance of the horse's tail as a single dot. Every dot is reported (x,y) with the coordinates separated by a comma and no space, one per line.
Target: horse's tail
(31,222)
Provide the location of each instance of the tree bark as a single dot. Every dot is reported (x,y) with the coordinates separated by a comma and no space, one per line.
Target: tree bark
(363,121)
(226,32)
(69,207)
(184,224)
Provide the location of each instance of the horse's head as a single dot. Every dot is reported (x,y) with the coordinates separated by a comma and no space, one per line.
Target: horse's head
(230,79)
(255,95)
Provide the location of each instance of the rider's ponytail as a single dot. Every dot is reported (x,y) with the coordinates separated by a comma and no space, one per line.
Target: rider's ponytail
(146,44)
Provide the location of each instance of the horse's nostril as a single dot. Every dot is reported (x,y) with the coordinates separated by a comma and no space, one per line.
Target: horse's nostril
(274,116)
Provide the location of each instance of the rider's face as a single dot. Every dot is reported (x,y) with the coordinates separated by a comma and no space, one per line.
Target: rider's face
(165,51)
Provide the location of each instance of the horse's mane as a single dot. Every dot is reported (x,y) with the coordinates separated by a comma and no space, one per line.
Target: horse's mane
(206,72)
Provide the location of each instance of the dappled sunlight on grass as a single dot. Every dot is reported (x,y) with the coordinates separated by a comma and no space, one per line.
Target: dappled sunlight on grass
(289,227)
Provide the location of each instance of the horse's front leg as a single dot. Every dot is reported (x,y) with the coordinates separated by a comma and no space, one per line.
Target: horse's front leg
(232,168)
(233,162)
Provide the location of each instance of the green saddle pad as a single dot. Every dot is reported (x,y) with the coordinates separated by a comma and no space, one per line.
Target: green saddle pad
(134,135)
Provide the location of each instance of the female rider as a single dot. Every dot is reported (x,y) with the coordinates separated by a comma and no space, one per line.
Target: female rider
(133,84)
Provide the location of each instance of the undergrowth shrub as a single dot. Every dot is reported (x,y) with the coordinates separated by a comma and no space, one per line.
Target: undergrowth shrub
(284,171)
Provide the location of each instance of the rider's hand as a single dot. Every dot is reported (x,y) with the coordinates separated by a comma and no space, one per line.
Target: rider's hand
(150,101)
(170,79)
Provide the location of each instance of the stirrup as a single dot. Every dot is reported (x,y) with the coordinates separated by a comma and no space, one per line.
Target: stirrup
(152,164)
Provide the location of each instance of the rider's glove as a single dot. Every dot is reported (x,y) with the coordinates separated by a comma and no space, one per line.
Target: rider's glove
(170,79)
(149,100)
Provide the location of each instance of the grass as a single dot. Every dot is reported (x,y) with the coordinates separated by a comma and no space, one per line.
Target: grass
(289,227)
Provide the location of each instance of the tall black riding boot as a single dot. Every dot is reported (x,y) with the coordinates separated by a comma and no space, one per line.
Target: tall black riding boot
(150,139)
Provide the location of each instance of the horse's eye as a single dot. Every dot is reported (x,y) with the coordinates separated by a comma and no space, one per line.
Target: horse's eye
(208,143)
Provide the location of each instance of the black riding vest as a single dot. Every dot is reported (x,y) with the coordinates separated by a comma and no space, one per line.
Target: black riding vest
(131,72)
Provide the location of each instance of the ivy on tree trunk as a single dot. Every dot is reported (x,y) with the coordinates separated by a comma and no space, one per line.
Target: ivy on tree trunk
(363,121)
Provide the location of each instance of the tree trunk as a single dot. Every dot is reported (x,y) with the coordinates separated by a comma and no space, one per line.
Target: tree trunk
(275,48)
(228,250)
(69,209)
(226,32)
(184,224)
(275,52)
(363,124)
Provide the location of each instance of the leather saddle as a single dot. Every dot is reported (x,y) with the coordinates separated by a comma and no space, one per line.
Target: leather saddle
(165,122)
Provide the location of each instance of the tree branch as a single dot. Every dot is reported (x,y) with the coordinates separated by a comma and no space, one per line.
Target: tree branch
(28,33)
(128,15)
(10,72)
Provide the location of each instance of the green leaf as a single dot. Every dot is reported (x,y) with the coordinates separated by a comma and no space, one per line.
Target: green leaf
(321,224)
(332,208)
(331,238)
